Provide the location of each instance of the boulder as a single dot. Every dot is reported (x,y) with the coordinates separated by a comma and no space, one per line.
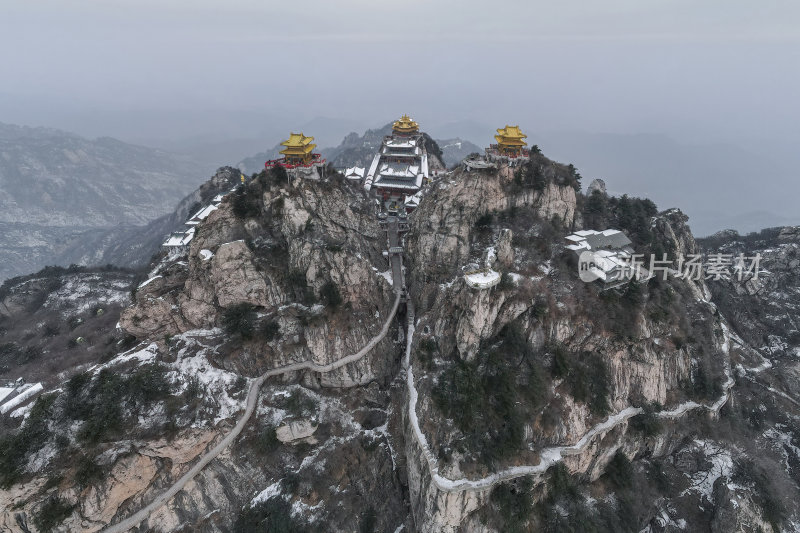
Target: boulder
(296,431)
(596,185)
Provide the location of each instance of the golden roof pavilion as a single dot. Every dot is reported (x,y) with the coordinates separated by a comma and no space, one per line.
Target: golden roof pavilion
(510,140)
(405,125)
(298,148)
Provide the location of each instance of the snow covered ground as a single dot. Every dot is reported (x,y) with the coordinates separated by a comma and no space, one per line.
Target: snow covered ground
(192,362)
(269,492)
(721,461)
(142,355)
(387,276)
(330,409)
(81,292)
(146,283)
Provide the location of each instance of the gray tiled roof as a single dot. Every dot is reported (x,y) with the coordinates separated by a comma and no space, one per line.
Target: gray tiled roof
(615,240)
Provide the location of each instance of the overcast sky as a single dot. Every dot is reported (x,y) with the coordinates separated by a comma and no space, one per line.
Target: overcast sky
(159,72)
(713,68)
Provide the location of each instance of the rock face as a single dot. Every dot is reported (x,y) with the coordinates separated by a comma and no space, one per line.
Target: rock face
(763,309)
(443,227)
(235,279)
(313,237)
(735,511)
(136,470)
(504,250)
(643,367)
(665,405)
(296,430)
(479,314)
(790,233)
(672,228)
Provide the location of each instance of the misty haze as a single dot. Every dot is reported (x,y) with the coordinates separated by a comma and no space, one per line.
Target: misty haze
(405,266)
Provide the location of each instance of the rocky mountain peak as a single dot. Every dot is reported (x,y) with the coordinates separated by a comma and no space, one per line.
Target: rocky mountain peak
(278,371)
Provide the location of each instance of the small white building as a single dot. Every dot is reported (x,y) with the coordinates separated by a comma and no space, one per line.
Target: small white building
(355,173)
(201,215)
(180,238)
(605,256)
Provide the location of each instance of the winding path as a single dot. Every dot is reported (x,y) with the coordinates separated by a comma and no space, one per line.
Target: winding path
(252,395)
(549,456)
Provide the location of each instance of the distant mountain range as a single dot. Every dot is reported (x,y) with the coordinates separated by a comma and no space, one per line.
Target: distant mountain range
(59,192)
(54,178)
(68,199)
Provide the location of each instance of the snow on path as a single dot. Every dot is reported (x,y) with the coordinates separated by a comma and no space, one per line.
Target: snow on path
(549,456)
(252,396)
(161,499)
(766,364)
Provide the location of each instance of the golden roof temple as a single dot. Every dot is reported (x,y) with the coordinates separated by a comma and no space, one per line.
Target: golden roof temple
(298,149)
(510,140)
(405,125)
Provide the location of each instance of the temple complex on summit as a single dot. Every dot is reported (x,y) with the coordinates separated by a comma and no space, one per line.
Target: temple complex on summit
(405,126)
(510,141)
(299,157)
(298,149)
(511,147)
(400,168)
